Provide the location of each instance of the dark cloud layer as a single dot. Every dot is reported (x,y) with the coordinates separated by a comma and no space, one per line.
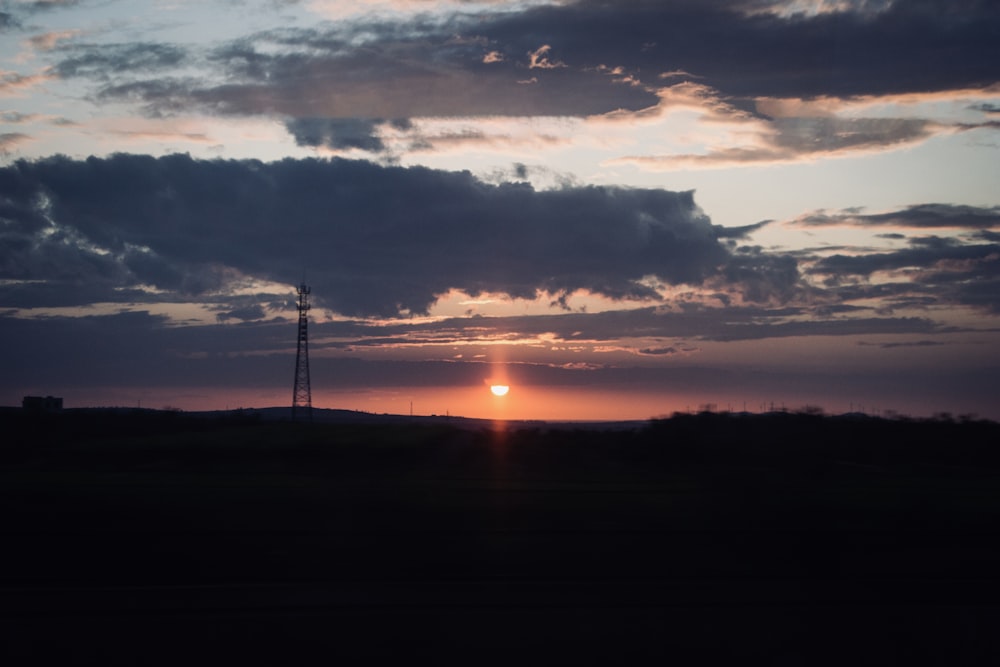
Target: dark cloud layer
(371,239)
(576,58)
(376,240)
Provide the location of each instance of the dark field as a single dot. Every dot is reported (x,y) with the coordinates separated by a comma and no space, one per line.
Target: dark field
(160,538)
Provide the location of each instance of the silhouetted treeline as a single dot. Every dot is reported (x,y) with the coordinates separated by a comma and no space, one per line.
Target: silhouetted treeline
(800,437)
(784,440)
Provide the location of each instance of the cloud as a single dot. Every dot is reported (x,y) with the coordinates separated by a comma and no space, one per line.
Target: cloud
(917,216)
(102,61)
(10,140)
(332,83)
(49,40)
(164,135)
(23,8)
(43,5)
(364,71)
(14,117)
(133,353)
(539,59)
(135,348)
(758,277)
(8,22)
(742,231)
(828,327)
(123,355)
(342,133)
(659,351)
(378,240)
(752,140)
(389,240)
(827,135)
(934,45)
(704,128)
(359,67)
(947,271)
(373,240)
(251,312)
(634,331)
(898,344)
(13,84)
(797,8)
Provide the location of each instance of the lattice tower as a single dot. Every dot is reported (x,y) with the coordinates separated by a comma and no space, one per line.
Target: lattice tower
(302,394)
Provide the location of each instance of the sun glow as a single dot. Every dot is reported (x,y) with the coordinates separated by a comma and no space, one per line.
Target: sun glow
(499,389)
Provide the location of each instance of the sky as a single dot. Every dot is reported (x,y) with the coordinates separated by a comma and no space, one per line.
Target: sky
(619,209)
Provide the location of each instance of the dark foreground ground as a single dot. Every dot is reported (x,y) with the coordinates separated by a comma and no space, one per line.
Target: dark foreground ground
(782,540)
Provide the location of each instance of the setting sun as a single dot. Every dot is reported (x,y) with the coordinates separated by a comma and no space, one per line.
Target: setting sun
(499,389)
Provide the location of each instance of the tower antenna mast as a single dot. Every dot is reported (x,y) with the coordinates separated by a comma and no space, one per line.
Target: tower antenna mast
(302,394)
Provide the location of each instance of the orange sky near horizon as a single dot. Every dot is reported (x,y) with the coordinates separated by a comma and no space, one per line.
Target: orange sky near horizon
(525,402)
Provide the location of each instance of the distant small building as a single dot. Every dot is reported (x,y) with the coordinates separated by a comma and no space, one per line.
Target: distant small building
(42,403)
